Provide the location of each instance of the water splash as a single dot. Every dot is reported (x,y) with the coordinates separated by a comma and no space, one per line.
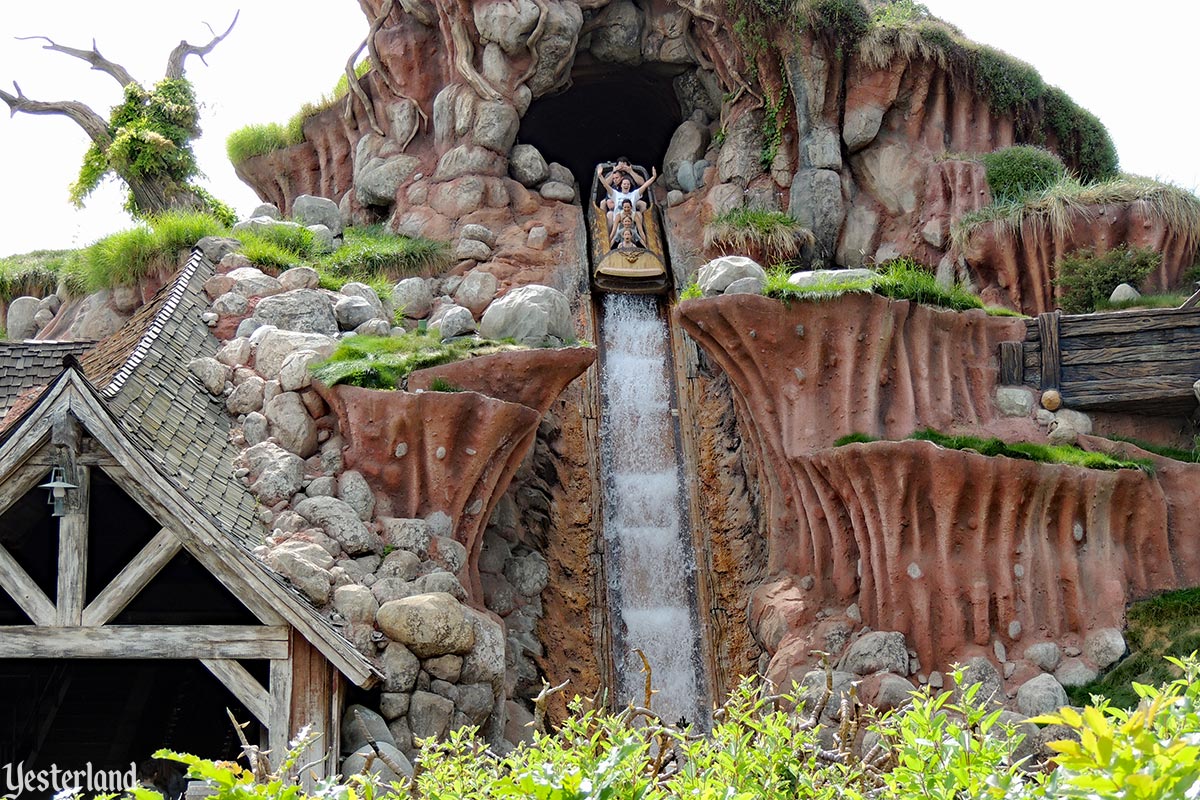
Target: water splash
(651,565)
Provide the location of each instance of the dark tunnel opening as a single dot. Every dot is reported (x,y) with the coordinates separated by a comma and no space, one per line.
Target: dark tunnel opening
(609,111)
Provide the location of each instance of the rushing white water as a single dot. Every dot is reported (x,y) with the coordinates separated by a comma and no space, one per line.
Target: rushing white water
(650,560)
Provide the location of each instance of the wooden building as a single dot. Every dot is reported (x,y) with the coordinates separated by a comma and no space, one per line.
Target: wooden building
(136,608)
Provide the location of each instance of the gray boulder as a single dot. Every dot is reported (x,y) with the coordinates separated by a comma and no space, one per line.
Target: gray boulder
(813,687)
(1104,647)
(291,424)
(532,315)
(364,761)
(341,522)
(427,624)
(877,651)
(253,282)
(829,277)
(378,180)
(21,312)
(324,240)
(358,722)
(484,663)
(247,396)
(230,304)
(211,373)
(452,321)
(471,249)
(351,312)
(429,715)
(747,285)
(496,124)
(1124,293)
(1014,401)
(354,490)
(1041,694)
(1045,655)
(557,190)
(275,474)
(618,34)
(310,210)
(715,276)
(412,535)
(687,146)
(276,345)
(413,298)
(476,290)
(528,574)
(269,210)
(295,374)
(740,158)
(301,310)
(299,278)
(527,166)
(400,667)
(306,565)
(980,671)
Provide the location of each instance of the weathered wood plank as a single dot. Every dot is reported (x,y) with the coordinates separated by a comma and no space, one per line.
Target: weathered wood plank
(1155,403)
(145,641)
(244,686)
(1048,331)
(312,690)
(73,547)
(1172,355)
(1123,389)
(1132,373)
(1120,321)
(281,710)
(1192,301)
(25,478)
(24,590)
(1167,336)
(1012,367)
(132,578)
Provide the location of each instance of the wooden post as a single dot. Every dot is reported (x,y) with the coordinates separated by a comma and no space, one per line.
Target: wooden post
(312,691)
(281,709)
(1012,364)
(72,549)
(1051,357)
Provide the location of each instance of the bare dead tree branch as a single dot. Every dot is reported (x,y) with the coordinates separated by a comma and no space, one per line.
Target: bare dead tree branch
(93,57)
(184,49)
(92,123)
(356,91)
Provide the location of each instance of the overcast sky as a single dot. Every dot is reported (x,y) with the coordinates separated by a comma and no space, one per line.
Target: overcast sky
(1133,66)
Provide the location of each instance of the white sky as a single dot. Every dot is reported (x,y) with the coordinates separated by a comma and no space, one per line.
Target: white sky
(1131,65)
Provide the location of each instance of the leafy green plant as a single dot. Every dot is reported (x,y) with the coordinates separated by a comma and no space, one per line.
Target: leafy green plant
(691,291)
(1149,753)
(1014,172)
(385,362)
(1085,278)
(772,235)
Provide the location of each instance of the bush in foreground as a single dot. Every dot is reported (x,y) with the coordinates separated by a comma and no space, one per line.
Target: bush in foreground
(943,746)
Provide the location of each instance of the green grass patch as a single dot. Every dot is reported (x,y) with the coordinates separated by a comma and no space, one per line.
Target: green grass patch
(385,362)
(260,139)
(1002,311)
(126,257)
(375,251)
(1167,625)
(1178,454)
(35,274)
(1030,451)
(1168,300)
(900,279)
(776,235)
(1056,205)
(440,384)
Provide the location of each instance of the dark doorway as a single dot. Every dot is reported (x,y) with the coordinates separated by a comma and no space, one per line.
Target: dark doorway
(71,713)
(609,111)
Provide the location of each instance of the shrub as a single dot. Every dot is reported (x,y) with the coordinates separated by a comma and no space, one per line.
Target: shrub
(773,235)
(1085,278)
(691,291)
(1014,172)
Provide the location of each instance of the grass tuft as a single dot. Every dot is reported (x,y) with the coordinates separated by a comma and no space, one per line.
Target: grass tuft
(774,234)
(35,274)
(385,362)
(1055,206)
(855,438)
(1014,172)
(1189,456)
(900,279)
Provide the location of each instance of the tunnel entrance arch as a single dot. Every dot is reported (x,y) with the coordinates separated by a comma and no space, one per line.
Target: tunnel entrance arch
(610,110)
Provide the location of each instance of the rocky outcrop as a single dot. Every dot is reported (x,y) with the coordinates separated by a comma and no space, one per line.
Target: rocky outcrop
(449,452)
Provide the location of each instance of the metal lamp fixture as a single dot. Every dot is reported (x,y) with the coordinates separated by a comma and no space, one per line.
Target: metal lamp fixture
(57,486)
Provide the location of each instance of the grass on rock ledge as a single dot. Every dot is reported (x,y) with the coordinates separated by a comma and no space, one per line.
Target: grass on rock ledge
(385,362)
(1024,451)
(370,255)
(777,235)
(901,279)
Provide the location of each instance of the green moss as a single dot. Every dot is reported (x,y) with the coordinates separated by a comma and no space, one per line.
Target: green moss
(1029,451)
(385,362)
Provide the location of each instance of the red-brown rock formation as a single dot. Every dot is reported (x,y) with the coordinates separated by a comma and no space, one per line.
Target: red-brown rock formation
(1017,269)
(453,452)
